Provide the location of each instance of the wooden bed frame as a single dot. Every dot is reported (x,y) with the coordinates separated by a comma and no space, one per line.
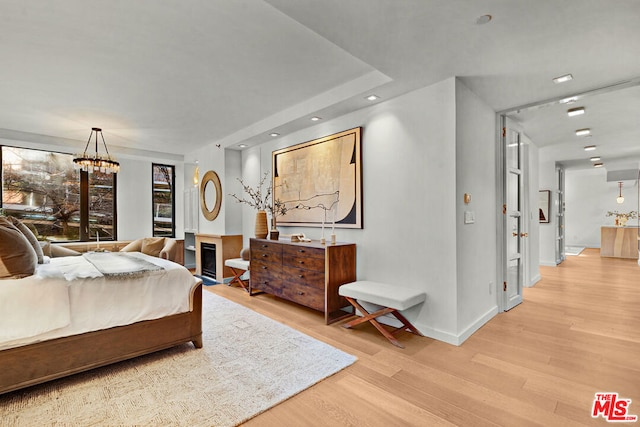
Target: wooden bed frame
(44,361)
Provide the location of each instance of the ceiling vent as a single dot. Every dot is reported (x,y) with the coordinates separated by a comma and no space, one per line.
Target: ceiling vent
(622,175)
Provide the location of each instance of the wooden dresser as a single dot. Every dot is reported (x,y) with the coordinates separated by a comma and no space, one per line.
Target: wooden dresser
(307,273)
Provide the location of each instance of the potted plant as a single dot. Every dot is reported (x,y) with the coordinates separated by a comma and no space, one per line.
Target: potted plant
(260,200)
(622,217)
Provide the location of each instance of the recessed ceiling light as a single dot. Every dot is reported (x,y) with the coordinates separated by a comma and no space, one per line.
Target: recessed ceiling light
(315,118)
(598,165)
(274,134)
(572,112)
(372,97)
(583,132)
(243,145)
(481,20)
(595,159)
(563,79)
(569,100)
(589,148)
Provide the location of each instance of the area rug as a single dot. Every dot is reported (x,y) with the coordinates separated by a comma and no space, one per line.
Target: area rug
(248,364)
(573,250)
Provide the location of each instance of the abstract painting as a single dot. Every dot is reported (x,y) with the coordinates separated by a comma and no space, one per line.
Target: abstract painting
(320,181)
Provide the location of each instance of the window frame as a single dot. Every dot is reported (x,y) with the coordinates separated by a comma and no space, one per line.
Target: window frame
(173,199)
(84,234)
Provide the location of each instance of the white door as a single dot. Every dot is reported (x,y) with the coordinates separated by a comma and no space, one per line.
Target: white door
(513,261)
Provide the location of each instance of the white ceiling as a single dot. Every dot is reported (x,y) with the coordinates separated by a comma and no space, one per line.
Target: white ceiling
(173,75)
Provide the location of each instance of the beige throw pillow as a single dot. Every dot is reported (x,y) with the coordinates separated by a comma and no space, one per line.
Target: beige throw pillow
(152,246)
(17,257)
(33,240)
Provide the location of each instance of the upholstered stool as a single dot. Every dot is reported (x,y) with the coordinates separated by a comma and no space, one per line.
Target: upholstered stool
(391,297)
(239,266)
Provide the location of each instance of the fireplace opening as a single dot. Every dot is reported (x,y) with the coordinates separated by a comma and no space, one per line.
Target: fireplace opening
(208,259)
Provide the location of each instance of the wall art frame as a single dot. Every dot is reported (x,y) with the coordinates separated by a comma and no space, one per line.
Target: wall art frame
(320,181)
(544,206)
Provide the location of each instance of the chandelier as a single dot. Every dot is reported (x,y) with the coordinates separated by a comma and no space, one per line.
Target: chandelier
(96,162)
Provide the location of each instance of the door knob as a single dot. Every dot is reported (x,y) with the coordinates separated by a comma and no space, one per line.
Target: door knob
(514,234)
(524,234)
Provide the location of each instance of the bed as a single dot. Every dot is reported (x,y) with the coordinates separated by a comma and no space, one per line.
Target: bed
(79,317)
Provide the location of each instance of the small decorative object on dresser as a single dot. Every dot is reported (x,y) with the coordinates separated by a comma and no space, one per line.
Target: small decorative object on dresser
(307,273)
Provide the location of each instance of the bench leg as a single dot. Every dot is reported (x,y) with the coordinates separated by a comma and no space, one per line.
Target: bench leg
(371,317)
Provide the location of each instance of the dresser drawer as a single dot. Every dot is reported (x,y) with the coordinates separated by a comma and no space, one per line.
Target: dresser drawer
(258,255)
(303,251)
(265,270)
(265,246)
(314,279)
(305,295)
(316,264)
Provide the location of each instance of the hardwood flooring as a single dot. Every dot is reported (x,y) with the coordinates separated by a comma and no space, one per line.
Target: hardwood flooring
(576,333)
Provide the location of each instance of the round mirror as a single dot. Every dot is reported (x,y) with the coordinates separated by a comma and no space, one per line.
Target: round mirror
(210,195)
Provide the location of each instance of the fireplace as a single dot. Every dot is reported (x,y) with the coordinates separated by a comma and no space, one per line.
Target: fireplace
(208,259)
(227,246)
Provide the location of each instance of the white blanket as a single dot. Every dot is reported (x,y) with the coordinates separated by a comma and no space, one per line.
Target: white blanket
(48,305)
(44,299)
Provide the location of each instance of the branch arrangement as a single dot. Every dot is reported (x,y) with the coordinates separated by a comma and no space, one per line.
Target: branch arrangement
(260,200)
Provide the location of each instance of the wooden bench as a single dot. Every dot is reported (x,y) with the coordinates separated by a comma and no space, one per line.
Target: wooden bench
(391,297)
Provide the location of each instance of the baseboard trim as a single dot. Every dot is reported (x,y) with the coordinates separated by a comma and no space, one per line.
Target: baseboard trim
(548,263)
(534,280)
(466,333)
(458,339)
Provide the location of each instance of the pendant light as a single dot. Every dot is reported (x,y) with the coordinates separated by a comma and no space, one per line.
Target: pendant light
(96,162)
(620,199)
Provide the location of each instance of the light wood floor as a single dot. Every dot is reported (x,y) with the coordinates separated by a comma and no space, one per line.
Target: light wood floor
(576,333)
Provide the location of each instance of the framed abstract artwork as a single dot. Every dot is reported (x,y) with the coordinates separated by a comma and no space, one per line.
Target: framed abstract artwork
(320,181)
(544,205)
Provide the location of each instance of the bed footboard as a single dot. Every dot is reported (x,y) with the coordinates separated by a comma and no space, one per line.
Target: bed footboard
(44,361)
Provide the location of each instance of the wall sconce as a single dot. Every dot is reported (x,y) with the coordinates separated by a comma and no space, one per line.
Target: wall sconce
(196,174)
(620,199)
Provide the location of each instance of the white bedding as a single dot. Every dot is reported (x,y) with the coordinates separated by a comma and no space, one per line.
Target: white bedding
(47,305)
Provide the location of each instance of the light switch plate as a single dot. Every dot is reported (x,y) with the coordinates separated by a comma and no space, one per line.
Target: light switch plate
(469,217)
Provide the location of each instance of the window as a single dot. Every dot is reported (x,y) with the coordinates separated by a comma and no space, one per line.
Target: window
(59,202)
(163,201)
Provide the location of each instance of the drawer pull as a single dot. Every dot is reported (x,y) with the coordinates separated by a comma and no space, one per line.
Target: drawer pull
(300,293)
(301,250)
(300,276)
(264,267)
(265,246)
(301,262)
(264,255)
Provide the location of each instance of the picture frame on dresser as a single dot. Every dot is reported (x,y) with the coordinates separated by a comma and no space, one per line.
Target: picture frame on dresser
(320,181)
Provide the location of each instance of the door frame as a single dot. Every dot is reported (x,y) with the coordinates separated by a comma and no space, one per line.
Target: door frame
(501,217)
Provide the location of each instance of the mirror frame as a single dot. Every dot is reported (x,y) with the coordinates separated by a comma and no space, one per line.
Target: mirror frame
(210,177)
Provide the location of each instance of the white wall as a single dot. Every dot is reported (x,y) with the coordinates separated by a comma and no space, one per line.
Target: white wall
(135,210)
(548,181)
(408,238)
(588,199)
(211,158)
(476,242)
